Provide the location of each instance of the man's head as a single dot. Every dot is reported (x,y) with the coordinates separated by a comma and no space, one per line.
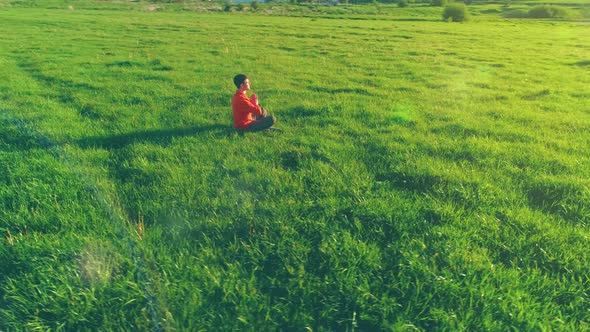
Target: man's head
(241,79)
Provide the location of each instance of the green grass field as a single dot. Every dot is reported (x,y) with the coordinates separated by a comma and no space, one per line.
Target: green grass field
(429,175)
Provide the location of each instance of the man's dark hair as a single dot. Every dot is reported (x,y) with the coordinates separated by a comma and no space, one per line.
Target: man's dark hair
(239,79)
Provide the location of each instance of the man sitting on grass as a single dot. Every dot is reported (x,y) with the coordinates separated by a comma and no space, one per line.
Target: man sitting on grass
(248,115)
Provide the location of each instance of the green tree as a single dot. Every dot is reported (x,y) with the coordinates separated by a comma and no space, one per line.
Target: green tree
(456,12)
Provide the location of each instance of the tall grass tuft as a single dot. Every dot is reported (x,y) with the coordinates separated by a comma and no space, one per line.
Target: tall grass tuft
(9,238)
(140,226)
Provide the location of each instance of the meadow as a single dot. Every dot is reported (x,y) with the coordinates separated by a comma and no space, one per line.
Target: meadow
(428,175)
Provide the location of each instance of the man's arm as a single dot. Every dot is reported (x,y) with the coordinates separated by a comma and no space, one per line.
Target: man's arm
(250,107)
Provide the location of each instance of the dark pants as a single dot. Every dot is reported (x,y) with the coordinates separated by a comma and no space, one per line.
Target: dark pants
(262,123)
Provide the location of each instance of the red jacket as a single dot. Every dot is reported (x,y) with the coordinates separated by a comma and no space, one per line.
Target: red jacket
(244,110)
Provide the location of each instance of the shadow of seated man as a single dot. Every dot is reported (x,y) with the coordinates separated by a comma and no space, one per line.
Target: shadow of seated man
(247,113)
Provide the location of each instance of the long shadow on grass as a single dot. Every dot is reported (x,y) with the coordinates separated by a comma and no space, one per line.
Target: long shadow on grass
(157,136)
(16,135)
